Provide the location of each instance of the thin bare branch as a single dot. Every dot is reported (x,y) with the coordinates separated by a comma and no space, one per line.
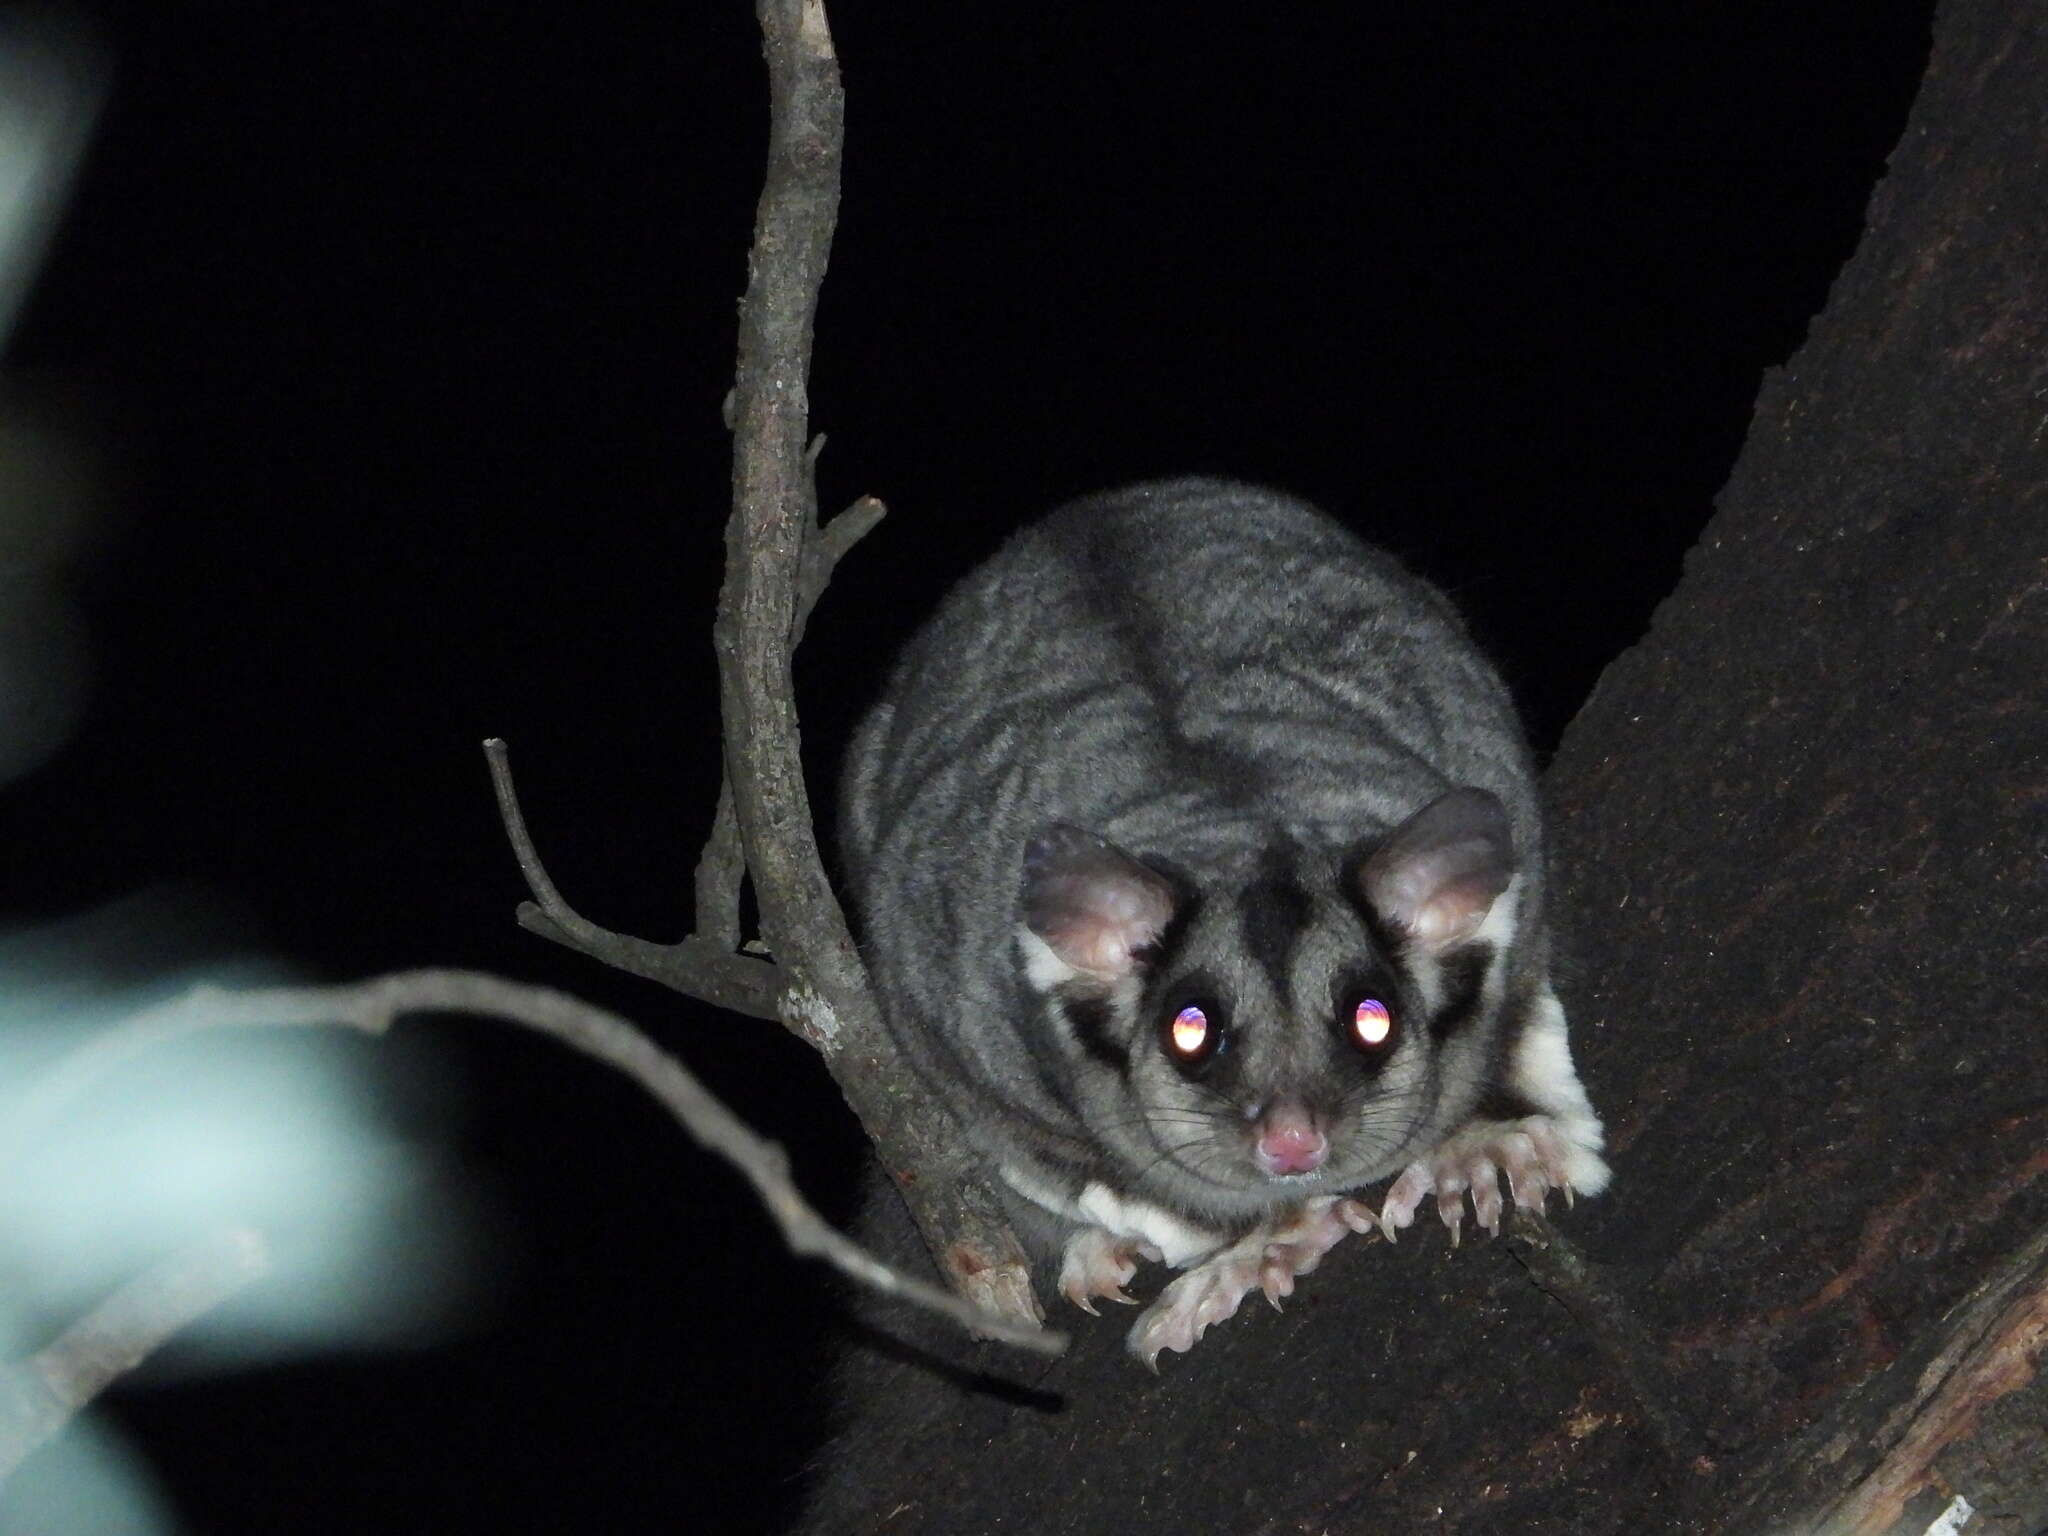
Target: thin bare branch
(40,1395)
(825,547)
(537,880)
(373,1005)
(698,967)
(723,864)
(695,967)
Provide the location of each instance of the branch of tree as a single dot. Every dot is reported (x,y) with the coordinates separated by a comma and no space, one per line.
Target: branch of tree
(39,1395)
(1560,1270)
(778,562)
(1988,1347)
(701,966)
(830,1002)
(721,869)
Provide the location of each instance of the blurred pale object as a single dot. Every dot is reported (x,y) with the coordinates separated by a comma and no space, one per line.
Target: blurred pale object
(119,1151)
(88,1482)
(275,1130)
(51,85)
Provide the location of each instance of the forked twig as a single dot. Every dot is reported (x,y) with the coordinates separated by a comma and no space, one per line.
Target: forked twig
(778,561)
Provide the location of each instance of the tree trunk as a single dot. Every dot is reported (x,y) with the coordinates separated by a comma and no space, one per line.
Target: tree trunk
(1803,828)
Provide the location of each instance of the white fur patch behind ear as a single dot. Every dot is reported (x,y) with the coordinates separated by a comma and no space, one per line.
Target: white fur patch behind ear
(1044,969)
(1498,928)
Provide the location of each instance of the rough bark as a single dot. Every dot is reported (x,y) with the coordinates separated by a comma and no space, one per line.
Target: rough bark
(805,973)
(1803,822)
(828,1000)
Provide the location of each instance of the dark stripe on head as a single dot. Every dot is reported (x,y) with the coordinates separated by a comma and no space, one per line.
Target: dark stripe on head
(1273,910)
(1091,1019)
(1464,982)
(1499,1101)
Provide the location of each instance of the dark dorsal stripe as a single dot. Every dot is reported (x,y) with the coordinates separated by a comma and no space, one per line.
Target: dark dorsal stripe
(1273,910)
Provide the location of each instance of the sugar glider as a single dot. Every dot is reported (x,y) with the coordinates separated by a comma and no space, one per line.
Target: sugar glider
(1200,867)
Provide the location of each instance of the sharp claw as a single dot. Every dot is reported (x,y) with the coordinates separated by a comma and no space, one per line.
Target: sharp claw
(1386,1225)
(1567,1197)
(1086,1304)
(1486,1205)
(1121,1299)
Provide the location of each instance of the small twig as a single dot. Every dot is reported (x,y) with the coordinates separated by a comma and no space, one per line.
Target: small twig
(825,547)
(536,873)
(723,864)
(40,1395)
(373,1005)
(1559,1269)
(698,967)
(720,869)
(695,967)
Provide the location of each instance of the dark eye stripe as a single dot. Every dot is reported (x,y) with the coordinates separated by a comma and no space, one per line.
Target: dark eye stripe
(1464,983)
(1091,1019)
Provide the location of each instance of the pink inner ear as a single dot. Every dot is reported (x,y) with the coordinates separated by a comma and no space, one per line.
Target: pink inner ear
(1107,922)
(1440,873)
(1451,913)
(1092,903)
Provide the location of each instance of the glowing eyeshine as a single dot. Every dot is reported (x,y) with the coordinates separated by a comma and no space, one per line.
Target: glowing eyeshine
(1372,1024)
(1189,1033)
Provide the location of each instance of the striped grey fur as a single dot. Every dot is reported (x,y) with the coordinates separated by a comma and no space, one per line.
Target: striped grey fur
(1248,702)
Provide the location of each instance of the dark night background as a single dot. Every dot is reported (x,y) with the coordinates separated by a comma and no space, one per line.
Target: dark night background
(405,328)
